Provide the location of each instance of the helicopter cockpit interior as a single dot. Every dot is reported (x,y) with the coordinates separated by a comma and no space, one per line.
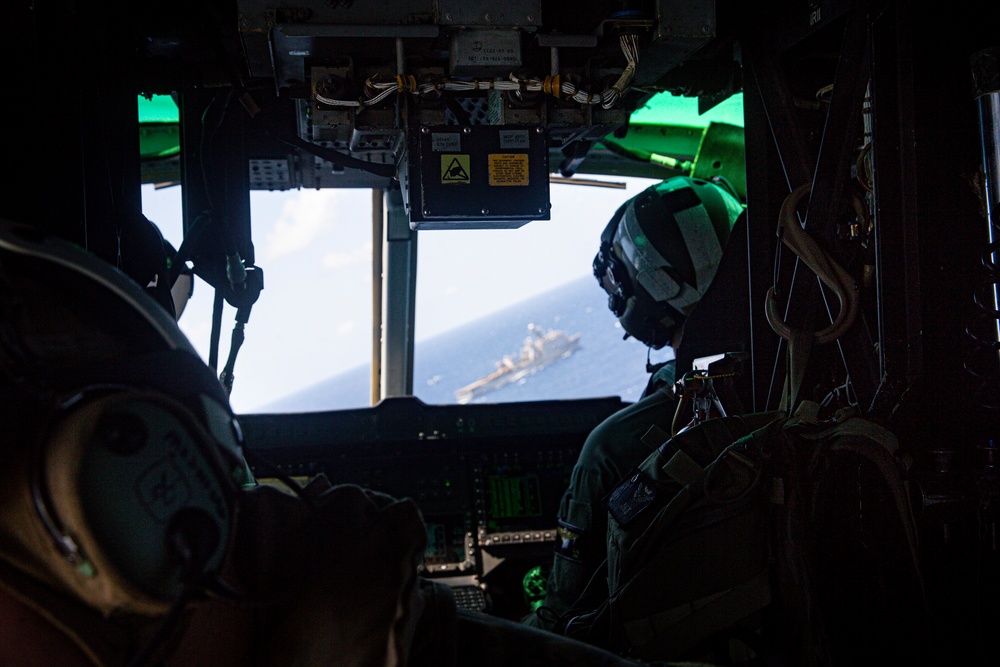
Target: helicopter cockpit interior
(875,121)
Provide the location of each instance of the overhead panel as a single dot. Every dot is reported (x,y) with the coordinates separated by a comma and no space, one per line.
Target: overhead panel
(369,77)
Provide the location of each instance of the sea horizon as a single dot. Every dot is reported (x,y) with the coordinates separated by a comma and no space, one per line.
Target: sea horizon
(603,365)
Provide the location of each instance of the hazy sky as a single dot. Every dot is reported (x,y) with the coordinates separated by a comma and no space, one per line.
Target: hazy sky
(313,319)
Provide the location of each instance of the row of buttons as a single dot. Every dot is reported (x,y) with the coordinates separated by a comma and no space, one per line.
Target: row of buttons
(517,538)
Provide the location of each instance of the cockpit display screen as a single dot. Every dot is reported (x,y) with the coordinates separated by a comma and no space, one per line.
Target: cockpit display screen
(445,539)
(523,495)
(514,496)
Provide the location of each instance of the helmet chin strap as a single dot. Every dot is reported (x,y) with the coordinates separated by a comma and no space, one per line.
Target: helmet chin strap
(675,341)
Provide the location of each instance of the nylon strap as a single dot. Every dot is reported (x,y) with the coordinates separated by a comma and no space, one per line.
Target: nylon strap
(799,347)
(654,437)
(682,468)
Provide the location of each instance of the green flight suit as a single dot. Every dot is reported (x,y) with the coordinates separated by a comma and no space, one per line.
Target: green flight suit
(611,450)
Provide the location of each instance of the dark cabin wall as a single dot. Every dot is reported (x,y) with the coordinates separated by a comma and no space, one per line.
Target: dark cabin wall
(944,419)
(72,137)
(931,235)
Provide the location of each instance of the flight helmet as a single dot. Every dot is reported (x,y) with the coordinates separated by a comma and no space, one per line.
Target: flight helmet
(660,251)
(122,456)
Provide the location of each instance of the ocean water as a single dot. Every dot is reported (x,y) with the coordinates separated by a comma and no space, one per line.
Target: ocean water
(603,365)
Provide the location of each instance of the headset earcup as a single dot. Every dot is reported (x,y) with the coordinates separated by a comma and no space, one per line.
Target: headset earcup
(127,476)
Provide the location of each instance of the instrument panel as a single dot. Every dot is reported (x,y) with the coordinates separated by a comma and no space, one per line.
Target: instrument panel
(488,478)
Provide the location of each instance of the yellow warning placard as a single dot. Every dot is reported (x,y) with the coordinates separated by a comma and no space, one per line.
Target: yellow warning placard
(508,169)
(455,168)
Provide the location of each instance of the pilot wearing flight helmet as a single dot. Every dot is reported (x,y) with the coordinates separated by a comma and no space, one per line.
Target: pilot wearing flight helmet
(658,255)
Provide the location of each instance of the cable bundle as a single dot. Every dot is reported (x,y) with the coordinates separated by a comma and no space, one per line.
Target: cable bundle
(376,90)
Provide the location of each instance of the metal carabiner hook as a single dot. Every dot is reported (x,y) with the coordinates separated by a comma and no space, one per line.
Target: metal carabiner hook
(819,261)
